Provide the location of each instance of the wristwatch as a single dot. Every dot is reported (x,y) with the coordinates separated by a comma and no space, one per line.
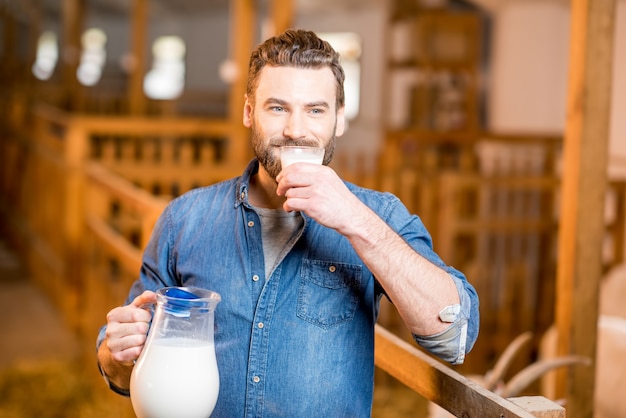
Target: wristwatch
(450,313)
(111,385)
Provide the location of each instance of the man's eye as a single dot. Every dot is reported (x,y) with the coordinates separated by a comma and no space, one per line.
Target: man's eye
(277,108)
(317,111)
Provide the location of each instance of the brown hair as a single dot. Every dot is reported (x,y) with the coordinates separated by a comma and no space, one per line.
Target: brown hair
(295,48)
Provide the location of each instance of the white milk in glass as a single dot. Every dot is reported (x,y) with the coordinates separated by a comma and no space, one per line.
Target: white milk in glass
(176,378)
(290,155)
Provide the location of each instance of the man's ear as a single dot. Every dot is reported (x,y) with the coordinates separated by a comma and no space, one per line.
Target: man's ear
(341,122)
(247,112)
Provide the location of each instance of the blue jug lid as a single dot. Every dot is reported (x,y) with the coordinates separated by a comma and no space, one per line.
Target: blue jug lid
(180,301)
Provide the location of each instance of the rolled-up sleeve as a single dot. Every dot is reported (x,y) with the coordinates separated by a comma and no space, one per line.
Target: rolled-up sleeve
(453,343)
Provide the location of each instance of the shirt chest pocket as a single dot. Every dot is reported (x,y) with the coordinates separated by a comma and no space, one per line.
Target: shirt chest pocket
(329,292)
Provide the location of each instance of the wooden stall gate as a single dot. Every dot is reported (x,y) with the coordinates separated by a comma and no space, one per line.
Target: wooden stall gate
(492,207)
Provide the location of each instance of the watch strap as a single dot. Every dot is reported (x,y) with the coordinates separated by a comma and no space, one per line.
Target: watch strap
(111,385)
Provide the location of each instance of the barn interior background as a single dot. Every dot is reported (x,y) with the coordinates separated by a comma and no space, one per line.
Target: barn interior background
(111,108)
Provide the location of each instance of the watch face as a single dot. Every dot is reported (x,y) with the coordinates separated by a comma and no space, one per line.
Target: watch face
(450,313)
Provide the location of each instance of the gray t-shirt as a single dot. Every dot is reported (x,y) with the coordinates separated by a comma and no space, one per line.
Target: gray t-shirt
(278,227)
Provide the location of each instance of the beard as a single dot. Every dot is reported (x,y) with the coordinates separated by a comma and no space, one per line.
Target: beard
(270,159)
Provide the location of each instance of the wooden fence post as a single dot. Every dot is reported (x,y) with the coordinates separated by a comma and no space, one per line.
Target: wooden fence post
(584,181)
(75,154)
(242,28)
(136,97)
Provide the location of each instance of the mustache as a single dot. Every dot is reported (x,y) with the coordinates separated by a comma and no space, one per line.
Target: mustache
(298,142)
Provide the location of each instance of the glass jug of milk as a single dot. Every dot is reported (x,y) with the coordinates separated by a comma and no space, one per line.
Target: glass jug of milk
(176,373)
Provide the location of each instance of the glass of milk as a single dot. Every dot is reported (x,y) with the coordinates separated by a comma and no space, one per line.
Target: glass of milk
(176,374)
(294,154)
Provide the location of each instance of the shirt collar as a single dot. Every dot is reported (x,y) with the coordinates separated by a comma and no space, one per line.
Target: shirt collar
(243,185)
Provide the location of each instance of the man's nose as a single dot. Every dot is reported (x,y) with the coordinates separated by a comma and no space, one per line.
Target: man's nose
(296,126)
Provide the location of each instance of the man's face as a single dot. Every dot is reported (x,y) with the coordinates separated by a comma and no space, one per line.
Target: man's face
(293,106)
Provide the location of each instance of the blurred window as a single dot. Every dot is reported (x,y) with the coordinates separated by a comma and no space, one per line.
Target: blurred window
(348,45)
(93,57)
(166,78)
(47,55)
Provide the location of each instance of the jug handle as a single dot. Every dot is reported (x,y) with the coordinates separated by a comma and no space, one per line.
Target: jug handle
(150,308)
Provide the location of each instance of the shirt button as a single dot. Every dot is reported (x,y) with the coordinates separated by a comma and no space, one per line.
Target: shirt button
(261,325)
(256,379)
(255,278)
(332,269)
(250,223)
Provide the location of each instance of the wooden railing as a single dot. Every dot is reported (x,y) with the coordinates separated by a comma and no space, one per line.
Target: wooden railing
(44,180)
(81,222)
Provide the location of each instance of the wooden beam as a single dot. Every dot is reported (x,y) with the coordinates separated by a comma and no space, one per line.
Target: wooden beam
(34,11)
(73,19)
(582,201)
(9,67)
(282,15)
(539,406)
(242,28)
(136,96)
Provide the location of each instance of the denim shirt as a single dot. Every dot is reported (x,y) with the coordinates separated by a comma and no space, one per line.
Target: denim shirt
(300,342)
